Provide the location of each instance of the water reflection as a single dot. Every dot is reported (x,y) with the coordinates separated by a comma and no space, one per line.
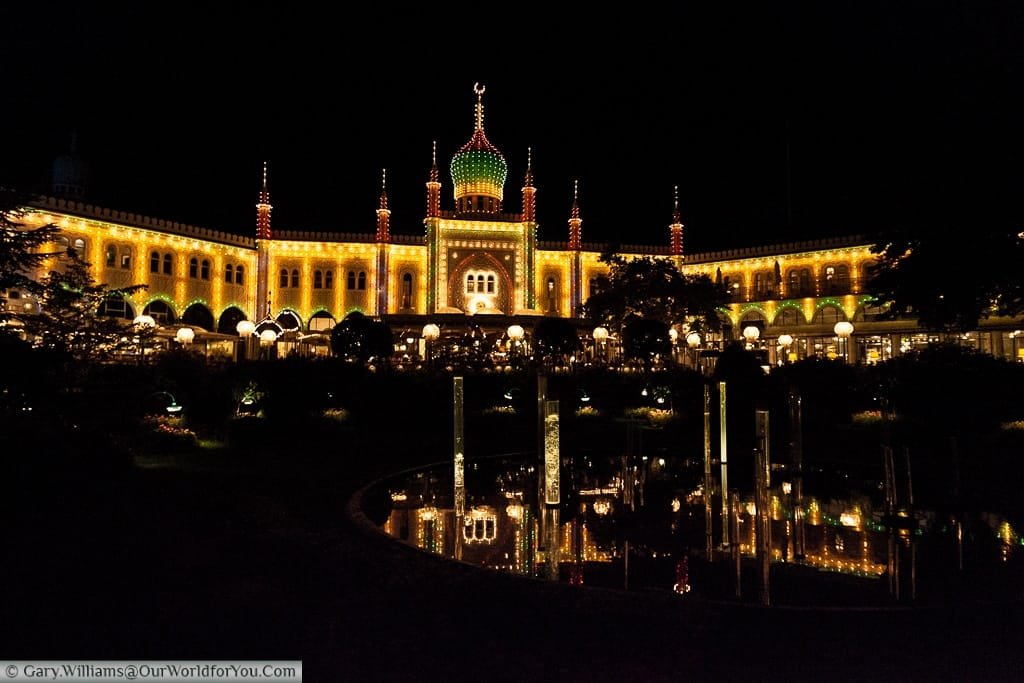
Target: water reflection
(611,513)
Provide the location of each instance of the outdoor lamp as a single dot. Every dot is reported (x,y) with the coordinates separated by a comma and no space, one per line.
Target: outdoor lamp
(245,328)
(185,335)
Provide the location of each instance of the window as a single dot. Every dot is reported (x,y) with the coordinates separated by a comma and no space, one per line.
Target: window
(78,247)
(406,290)
(800,282)
(111,255)
(788,317)
(318,279)
(551,293)
(470,284)
(154,262)
(229,273)
(351,282)
(193,267)
(295,278)
(490,284)
(328,279)
(168,269)
(837,279)
(362,279)
(828,315)
(283,280)
(239,275)
(204,271)
(762,283)
(126,258)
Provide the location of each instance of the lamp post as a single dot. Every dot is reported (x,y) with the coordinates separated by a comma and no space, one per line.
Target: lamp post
(785,341)
(246,329)
(843,330)
(431,333)
(693,341)
(751,334)
(185,335)
(515,338)
(144,326)
(268,338)
(600,337)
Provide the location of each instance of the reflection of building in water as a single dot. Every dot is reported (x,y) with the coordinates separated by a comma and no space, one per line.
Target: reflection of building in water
(480,525)
(430,528)
(844,543)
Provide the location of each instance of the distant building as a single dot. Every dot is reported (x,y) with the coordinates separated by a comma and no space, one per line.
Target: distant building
(474,262)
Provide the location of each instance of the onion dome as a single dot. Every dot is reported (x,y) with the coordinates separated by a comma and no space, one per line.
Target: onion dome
(479,169)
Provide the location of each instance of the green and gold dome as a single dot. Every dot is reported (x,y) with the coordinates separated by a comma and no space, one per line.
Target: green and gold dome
(479,169)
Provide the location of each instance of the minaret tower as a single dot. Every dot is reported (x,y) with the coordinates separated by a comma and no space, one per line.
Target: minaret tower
(432,227)
(575,246)
(676,232)
(434,188)
(383,237)
(264,236)
(530,220)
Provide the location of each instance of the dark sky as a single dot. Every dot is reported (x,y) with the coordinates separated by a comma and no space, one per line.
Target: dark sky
(905,113)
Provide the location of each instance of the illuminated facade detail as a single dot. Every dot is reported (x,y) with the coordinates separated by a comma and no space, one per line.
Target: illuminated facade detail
(459,458)
(478,169)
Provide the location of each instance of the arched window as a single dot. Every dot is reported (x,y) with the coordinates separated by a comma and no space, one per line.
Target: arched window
(490,284)
(470,284)
(229,273)
(837,279)
(111,257)
(126,257)
(318,279)
(328,279)
(407,290)
(828,315)
(295,278)
(154,262)
(551,293)
(362,279)
(800,282)
(594,287)
(351,280)
(762,283)
(204,271)
(168,268)
(193,267)
(239,275)
(283,280)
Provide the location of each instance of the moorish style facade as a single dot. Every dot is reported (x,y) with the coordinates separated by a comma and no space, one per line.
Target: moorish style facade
(473,259)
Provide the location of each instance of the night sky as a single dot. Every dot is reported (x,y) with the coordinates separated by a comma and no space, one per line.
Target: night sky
(888,116)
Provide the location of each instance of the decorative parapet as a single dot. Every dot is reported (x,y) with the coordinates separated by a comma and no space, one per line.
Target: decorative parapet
(83,210)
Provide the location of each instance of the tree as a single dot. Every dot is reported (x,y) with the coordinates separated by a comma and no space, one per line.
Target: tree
(654,288)
(645,338)
(949,284)
(70,321)
(22,250)
(360,338)
(555,338)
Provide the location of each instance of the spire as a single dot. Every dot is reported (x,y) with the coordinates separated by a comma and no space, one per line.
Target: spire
(479,90)
(575,222)
(676,228)
(263,208)
(435,176)
(434,187)
(529,191)
(383,213)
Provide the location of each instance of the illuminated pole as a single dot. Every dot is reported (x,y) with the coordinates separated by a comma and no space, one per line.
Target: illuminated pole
(723,459)
(797,458)
(762,483)
(552,493)
(460,465)
(707,472)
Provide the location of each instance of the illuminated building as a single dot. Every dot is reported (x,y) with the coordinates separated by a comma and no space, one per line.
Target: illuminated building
(475,259)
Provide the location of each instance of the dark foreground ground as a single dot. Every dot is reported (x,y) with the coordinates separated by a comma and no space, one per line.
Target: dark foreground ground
(245,556)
